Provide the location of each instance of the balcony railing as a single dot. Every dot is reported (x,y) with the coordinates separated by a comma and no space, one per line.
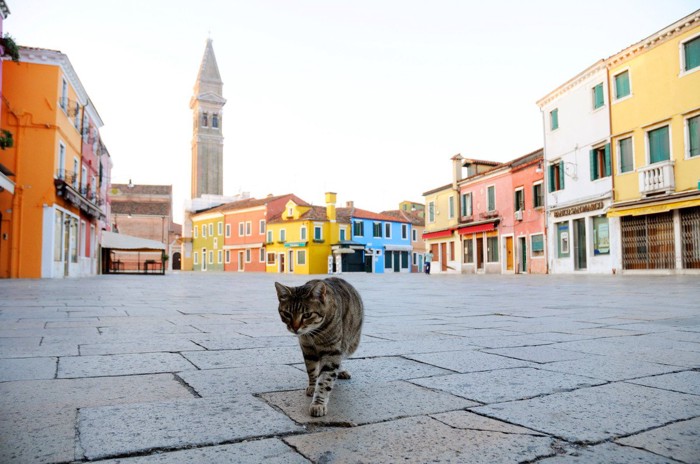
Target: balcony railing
(657,178)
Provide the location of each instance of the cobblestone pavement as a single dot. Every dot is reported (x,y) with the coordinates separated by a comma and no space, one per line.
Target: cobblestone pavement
(198,368)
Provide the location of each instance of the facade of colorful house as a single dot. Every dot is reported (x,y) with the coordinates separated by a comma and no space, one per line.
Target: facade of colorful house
(208,241)
(299,239)
(382,242)
(655,123)
(51,229)
(578,170)
(415,214)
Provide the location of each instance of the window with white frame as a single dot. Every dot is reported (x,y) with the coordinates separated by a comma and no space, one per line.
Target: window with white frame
(519,197)
(220,228)
(343,234)
(63,102)
(556,176)
(271,258)
(404,231)
(301,257)
(690,54)
(451,207)
(658,145)
(491,198)
(216,243)
(431,211)
(61,161)
(261,227)
(220,256)
(554,119)
(283,235)
(318,233)
(414,235)
(228,230)
(387,229)
(692,132)
(211,229)
(622,85)
(377,229)
(625,155)
(600,162)
(241,229)
(195,231)
(537,195)
(492,249)
(598,96)
(249,228)
(195,257)
(303,234)
(467,204)
(537,245)
(211,257)
(269,237)
(204,230)
(248,255)
(261,258)
(228,256)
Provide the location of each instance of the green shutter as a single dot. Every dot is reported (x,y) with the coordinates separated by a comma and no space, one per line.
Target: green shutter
(598,99)
(694,136)
(561,175)
(550,178)
(658,145)
(691,50)
(622,84)
(593,160)
(554,118)
(608,161)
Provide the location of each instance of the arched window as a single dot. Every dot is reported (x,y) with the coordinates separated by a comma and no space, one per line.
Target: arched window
(205,119)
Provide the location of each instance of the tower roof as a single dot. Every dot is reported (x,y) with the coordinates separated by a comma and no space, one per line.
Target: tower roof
(208,78)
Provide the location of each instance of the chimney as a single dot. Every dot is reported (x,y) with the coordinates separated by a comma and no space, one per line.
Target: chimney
(456,169)
(349,204)
(330,206)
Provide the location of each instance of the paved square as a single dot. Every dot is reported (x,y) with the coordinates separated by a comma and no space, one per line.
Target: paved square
(198,368)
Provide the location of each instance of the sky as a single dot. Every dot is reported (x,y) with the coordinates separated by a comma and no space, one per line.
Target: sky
(366,98)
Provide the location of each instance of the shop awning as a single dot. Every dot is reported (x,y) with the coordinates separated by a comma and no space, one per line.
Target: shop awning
(114,241)
(243,246)
(438,234)
(398,247)
(295,244)
(476,228)
(653,208)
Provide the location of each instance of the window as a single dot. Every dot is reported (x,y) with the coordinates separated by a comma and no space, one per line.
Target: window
(76,163)
(204,230)
(343,234)
(290,212)
(358,229)
(431,211)
(537,195)
(563,239)
(195,258)
(271,258)
(554,119)
(693,143)
(598,97)
(241,229)
(601,236)
(537,245)
(248,255)
(61,161)
(414,235)
(64,95)
(468,251)
(211,257)
(228,256)
(658,145)
(211,229)
(283,235)
(377,229)
(219,228)
(691,54)
(466,204)
(261,225)
(318,233)
(228,230)
(625,155)
(600,162)
(220,256)
(215,121)
(262,255)
(387,229)
(216,243)
(195,229)
(451,207)
(491,198)
(269,236)
(622,85)
(404,231)
(205,119)
(519,199)
(302,234)
(492,249)
(301,257)
(249,228)
(556,176)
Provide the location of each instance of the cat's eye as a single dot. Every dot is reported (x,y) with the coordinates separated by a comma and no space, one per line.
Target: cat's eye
(306,315)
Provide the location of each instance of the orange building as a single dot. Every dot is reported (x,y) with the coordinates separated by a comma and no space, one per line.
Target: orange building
(52,221)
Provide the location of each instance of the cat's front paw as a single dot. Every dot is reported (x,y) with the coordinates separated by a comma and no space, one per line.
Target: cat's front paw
(310,390)
(318,410)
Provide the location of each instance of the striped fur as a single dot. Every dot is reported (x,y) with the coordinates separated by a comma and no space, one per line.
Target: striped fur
(326,316)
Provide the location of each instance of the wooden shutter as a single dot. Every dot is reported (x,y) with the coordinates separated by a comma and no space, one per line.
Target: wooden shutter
(608,161)
(561,175)
(593,161)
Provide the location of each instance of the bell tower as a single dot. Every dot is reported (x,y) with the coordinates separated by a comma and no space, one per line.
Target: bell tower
(207,104)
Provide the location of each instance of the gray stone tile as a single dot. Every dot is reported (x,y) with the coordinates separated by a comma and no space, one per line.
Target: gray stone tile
(469,361)
(598,413)
(256,378)
(469,420)
(145,345)
(27,369)
(428,345)
(605,453)
(272,451)
(405,440)
(610,368)
(235,341)
(28,438)
(385,369)
(245,357)
(537,354)
(684,382)
(365,403)
(113,431)
(506,384)
(121,364)
(680,441)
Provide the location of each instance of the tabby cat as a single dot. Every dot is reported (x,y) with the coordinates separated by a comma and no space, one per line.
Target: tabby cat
(326,315)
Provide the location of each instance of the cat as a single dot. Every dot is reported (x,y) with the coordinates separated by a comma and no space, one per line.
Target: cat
(326,315)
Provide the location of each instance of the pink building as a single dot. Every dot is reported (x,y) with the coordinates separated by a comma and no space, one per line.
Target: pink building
(501,223)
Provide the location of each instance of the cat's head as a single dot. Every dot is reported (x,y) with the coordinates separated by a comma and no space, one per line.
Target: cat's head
(302,309)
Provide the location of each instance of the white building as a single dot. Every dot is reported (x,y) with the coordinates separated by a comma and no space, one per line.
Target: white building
(578,174)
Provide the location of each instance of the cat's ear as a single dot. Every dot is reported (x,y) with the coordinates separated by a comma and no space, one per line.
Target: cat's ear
(283,293)
(318,291)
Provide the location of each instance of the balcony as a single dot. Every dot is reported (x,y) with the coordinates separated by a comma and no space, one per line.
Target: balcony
(83,197)
(656,178)
(488,214)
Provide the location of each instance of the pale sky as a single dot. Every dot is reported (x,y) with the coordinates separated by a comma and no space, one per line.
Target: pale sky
(366,98)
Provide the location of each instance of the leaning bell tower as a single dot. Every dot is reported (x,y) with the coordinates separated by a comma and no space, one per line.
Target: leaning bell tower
(207,104)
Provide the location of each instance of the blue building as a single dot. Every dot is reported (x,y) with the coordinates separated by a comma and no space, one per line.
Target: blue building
(378,243)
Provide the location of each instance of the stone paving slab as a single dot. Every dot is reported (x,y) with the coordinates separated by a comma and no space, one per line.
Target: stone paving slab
(122,364)
(419,440)
(143,345)
(240,380)
(354,404)
(113,431)
(235,341)
(598,413)
(611,368)
(606,453)
(537,354)
(684,382)
(245,357)
(27,369)
(506,384)
(469,361)
(268,451)
(680,440)
(470,421)
(32,438)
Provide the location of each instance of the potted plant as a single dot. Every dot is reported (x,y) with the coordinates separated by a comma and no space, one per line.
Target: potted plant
(10,47)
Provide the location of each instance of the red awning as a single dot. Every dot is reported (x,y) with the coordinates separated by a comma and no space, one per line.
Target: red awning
(477,228)
(438,234)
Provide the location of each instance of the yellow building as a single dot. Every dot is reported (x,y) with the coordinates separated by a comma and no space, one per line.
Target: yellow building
(655,124)
(208,241)
(299,239)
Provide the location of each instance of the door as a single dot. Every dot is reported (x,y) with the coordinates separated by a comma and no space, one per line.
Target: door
(480,253)
(204,259)
(281,264)
(397,263)
(443,257)
(580,244)
(291,261)
(241,257)
(522,245)
(177,261)
(509,254)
